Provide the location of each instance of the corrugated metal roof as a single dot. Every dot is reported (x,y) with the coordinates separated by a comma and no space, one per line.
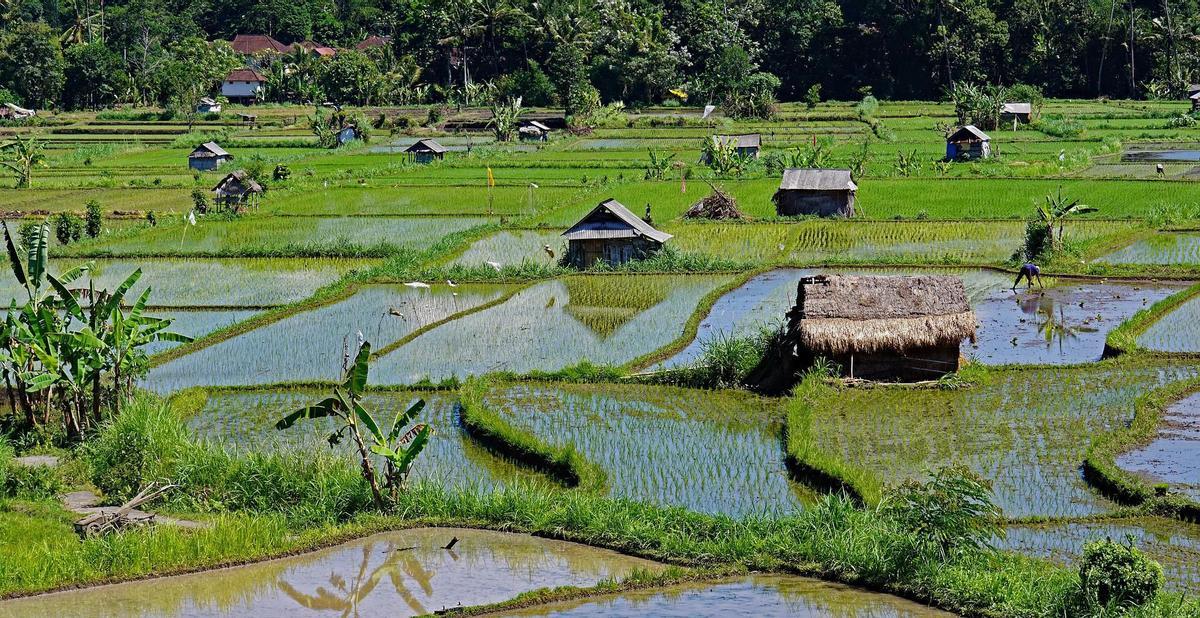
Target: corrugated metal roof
(627,226)
(1017,108)
(535,124)
(426,145)
(213,148)
(817,180)
(968,132)
(750,140)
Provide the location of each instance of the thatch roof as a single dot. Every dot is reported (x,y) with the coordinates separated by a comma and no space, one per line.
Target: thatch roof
(611,219)
(427,145)
(840,314)
(242,179)
(968,133)
(718,205)
(817,180)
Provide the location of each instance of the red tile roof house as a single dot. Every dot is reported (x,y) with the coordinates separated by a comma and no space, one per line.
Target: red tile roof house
(250,44)
(242,85)
(314,48)
(373,41)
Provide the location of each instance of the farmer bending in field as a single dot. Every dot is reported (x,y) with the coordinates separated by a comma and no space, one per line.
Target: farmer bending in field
(1028,271)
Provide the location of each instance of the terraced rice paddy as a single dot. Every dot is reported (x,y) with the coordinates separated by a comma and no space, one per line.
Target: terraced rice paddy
(554,324)
(1025,430)
(708,452)
(759,595)
(1178,331)
(1161,248)
(1173,456)
(196,323)
(1175,545)
(246,420)
(274,353)
(405,573)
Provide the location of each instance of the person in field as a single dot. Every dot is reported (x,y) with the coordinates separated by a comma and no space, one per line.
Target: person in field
(1028,271)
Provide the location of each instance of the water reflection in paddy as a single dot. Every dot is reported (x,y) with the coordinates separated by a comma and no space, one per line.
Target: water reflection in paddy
(1174,455)
(403,573)
(796,597)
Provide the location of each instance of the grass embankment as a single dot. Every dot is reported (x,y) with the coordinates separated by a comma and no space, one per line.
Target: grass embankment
(1100,468)
(1123,338)
(811,465)
(273,504)
(562,463)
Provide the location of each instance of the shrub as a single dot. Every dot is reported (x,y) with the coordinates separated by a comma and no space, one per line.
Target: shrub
(67,228)
(1038,240)
(1117,575)
(813,96)
(31,482)
(530,84)
(139,446)
(95,220)
(1059,126)
(950,512)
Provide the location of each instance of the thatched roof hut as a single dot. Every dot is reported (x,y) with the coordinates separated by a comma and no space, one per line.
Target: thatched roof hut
(875,327)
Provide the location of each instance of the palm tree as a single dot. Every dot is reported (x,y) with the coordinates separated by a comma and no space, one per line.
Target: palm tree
(1055,212)
(20,156)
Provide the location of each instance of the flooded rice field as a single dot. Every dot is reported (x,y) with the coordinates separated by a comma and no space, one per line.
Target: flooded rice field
(246,420)
(1025,430)
(1160,248)
(1174,544)
(1178,331)
(405,573)
(196,323)
(1173,456)
(759,595)
(713,452)
(555,324)
(1065,323)
(309,345)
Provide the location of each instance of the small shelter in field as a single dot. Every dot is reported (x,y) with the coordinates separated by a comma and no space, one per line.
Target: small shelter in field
(236,190)
(820,192)
(1016,113)
(1195,99)
(426,151)
(348,134)
(744,146)
(207,157)
(873,327)
(533,130)
(208,105)
(968,142)
(1193,89)
(243,85)
(610,233)
(12,111)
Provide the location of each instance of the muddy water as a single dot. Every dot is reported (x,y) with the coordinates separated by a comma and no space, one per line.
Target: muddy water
(393,574)
(1174,455)
(797,597)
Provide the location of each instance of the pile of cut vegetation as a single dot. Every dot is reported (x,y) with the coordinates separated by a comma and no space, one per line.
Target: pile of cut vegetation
(718,205)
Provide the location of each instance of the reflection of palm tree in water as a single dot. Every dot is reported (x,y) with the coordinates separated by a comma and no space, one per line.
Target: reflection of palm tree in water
(346,597)
(1053,327)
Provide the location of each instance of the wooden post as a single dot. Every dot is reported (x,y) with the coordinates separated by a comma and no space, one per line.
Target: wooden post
(851,366)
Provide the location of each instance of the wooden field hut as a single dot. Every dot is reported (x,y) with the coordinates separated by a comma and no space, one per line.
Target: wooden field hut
(207,157)
(745,146)
(968,142)
(1195,99)
(612,234)
(1016,113)
(820,192)
(532,130)
(236,191)
(208,105)
(426,151)
(12,111)
(905,328)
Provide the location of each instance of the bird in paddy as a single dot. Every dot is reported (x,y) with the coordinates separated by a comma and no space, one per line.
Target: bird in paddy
(495,265)
(548,250)
(451,283)
(417,284)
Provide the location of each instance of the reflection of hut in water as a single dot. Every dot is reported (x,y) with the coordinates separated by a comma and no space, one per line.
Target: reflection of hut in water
(613,235)
(605,304)
(879,328)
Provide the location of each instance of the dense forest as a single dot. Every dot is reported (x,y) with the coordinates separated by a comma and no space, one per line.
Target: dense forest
(89,53)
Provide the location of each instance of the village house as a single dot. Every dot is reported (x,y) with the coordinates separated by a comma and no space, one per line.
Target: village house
(819,192)
(314,48)
(873,327)
(426,151)
(243,85)
(744,146)
(532,130)
(208,105)
(1016,113)
(373,41)
(236,191)
(255,44)
(207,157)
(610,233)
(968,142)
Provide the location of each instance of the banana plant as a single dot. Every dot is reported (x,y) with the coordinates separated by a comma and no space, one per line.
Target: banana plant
(399,446)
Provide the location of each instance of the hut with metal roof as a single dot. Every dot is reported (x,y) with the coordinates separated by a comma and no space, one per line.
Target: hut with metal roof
(610,233)
(207,157)
(1016,113)
(532,130)
(906,328)
(745,146)
(968,142)
(819,192)
(208,105)
(236,191)
(426,151)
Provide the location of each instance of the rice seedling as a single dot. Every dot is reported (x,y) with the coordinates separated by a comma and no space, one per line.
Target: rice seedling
(1177,331)
(310,345)
(1175,545)
(196,323)
(1024,429)
(1168,459)
(552,325)
(706,451)
(1163,248)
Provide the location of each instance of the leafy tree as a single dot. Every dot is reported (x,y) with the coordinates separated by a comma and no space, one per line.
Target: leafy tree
(95,76)
(67,228)
(351,78)
(531,84)
(31,64)
(95,219)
